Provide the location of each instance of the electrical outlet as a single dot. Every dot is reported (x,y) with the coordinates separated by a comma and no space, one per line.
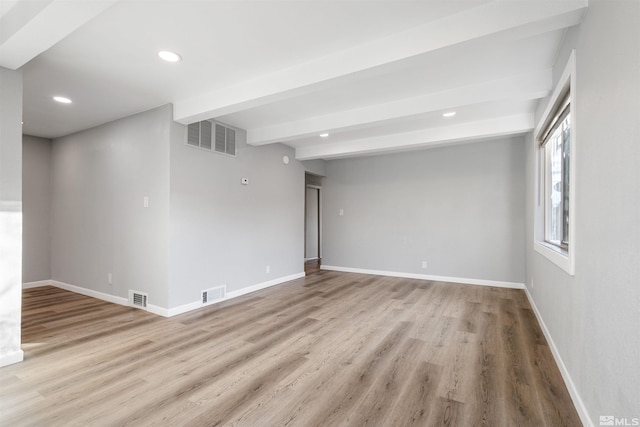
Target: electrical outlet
(110,278)
(424,264)
(145,201)
(268,269)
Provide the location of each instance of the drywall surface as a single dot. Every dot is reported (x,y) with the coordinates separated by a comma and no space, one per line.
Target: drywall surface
(594,316)
(100,178)
(316,167)
(36,206)
(10,215)
(226,233)
(459,208)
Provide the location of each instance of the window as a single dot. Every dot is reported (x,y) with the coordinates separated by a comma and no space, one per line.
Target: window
(555,143)
(556,152)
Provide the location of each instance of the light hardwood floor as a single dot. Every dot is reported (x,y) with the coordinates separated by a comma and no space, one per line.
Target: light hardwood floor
(329,349)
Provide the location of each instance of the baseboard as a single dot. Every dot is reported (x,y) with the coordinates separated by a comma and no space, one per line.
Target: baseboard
(467,281)
(30,285)
(78,290)
(230,295)
(313,258)
(90,293)
(263,285)
(160,311)
(11,358)
(183,308)
(573,391)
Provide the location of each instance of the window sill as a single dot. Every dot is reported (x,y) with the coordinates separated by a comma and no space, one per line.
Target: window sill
(560,257)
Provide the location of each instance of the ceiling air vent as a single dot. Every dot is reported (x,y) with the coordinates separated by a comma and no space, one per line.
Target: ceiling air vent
(212,295)
(209,135)
(138,299)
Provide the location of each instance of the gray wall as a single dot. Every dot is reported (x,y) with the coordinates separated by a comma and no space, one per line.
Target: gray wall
(36,205)
(594,316)
(316,167)
(223,232)
(99,225)
(10,215)
(460,208)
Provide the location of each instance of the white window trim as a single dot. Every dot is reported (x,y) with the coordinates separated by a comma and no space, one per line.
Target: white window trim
(565,259)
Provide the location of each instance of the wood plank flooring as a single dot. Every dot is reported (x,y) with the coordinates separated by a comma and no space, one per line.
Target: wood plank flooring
(330,349)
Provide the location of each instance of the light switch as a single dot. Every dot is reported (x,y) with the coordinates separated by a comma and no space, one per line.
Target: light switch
(341,212)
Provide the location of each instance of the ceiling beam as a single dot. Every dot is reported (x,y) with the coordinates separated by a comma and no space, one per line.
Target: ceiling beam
(465,132)
(30,28)
(496,18)
(529,86)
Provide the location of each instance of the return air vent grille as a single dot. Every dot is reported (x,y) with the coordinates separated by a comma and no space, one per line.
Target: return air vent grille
(193,134)
(138,299)
(205,134)
(209,135)
(212,295)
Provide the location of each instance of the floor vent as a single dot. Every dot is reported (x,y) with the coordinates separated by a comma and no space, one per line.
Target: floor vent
(138,299)
(209,296)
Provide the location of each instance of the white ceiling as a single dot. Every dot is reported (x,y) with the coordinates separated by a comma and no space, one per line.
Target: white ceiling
(375,75)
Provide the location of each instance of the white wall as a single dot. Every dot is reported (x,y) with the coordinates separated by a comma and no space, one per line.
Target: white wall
(36,206)
(460,208)
(99,225)
(10,215)
(223,232)
(594,316)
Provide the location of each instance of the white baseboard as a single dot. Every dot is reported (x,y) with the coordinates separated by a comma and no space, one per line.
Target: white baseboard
(11,358)
(230,295)
(160,311)
(263,285)
(174,311)
(90,293)
(481,282)
(573,391)
(313,258)
(30,285)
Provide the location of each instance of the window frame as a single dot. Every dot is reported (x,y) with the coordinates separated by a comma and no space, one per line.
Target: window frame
(563,255)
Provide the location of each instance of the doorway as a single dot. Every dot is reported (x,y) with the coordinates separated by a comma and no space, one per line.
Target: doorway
(312,244)
(312,222)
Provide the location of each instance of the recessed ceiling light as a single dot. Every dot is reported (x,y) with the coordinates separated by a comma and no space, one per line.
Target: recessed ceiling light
(324,135)
(449,114)
(169,56)
(62,99)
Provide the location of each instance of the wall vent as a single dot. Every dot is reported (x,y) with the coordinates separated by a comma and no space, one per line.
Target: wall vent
(225,140)
(138,299)
(209,296)
(209,134)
